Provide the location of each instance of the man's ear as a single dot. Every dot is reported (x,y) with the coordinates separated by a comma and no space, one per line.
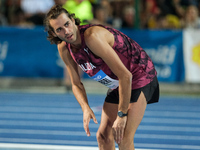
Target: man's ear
(73,20)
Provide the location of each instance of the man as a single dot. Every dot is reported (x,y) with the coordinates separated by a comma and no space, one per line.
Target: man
(113,59)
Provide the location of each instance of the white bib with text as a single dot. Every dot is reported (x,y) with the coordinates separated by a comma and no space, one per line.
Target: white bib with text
(105,80)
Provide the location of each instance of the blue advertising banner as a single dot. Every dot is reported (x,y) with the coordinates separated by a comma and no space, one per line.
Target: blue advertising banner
(166,51)
(27,53)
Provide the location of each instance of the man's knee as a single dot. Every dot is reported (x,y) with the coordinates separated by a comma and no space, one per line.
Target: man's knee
(103,139)
(126,144)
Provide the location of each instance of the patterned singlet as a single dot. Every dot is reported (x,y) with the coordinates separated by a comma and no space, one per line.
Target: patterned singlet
(131,54)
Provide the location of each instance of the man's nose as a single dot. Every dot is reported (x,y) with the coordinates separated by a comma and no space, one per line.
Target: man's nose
(66,30)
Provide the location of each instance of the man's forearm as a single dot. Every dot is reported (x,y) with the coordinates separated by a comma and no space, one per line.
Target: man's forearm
(80,94)
(124,94)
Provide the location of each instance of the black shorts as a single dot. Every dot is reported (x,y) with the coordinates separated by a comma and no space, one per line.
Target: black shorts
(151,92)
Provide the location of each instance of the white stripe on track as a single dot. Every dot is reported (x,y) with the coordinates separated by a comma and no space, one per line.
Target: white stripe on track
(162,107)
(58,147)
(45,124)
(52,117)
(174,114)
(92,125)
(79,133)
(168,128)
(49,141)
(79,124)
(171,121)
(50,147)
(44,147)
(40,110)
(45,132)
(168,146)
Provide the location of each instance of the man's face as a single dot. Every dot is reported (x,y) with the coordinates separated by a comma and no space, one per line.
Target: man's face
(64,28)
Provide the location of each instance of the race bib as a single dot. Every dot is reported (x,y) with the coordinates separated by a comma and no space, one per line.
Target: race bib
(105,80)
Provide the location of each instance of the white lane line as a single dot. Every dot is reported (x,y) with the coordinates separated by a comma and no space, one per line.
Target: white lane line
(168,128)
(174,108)
(46,124)
(79,117)
(40,116)
(40,110)
(147,114)
(141,127)
(51,147)
(45,147)
(92,125)
(45,141)
(174,114)
(45,132)
(57,147)
(168,137)
(171,121)
(82,133)
(168,146)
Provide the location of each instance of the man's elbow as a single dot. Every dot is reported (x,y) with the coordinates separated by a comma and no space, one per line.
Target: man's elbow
(127,77)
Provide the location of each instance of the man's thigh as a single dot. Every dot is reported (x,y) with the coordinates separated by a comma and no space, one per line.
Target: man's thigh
(108,116)
(136,112)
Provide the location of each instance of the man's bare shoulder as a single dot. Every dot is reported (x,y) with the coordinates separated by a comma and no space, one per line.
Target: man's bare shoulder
(95,30)
(62,46)
(98,33)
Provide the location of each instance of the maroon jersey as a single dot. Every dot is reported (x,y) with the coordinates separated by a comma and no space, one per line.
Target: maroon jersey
(131,54)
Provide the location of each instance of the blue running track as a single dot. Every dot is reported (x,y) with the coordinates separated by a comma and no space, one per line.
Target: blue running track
(56,119)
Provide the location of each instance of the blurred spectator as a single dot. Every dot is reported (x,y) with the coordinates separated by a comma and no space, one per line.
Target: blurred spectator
(3,20)
(192,19)
(10,7)
(35,10)
(117,7)
(150,12)
(82,9)
(100,16)
(199,7)
(165,22)
(175,7)
(20,19)
(161,22)
(109,10)
(60,2)
(128,17)
(173,22)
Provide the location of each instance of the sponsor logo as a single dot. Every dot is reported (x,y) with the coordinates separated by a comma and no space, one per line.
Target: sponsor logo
(87,66)
(3,54)
(196,54)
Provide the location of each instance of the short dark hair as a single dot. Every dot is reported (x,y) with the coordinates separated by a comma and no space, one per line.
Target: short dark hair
(53,13)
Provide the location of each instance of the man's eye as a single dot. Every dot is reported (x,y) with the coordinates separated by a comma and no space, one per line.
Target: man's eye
(58,30)
(66,24)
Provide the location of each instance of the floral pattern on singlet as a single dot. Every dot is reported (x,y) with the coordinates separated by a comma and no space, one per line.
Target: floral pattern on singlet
(130,52)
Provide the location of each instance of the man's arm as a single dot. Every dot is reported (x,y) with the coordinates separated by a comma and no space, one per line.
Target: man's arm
(77,86)
(100,41)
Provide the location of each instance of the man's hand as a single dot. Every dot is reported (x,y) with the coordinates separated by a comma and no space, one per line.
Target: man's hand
(87,115)
(118,128)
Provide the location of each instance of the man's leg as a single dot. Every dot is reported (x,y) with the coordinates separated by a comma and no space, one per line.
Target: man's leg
(104,135)
(135,114)
(109,113)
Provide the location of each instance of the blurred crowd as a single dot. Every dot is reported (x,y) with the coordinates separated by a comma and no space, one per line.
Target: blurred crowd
(140,14)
